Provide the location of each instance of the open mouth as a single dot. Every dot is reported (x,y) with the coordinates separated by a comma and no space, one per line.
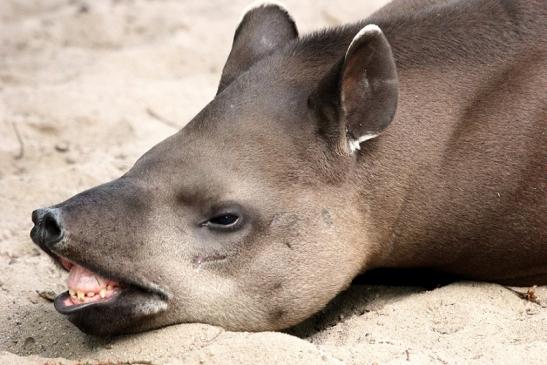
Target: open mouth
(85,288)
(101,304)
(88,290)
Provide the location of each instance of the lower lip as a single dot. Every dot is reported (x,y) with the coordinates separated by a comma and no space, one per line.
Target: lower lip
(64,305)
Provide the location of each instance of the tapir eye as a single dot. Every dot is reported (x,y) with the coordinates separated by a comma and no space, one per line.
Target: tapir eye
(224,221)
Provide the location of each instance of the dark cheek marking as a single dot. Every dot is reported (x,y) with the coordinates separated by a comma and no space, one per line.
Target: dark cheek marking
(326,217)
(277,314)
(286,220)
(277,286)
(288,245)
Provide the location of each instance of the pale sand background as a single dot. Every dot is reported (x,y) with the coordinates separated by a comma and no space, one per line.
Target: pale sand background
(80,82)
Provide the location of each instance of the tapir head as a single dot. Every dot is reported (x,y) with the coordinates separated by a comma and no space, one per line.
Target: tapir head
(251,217)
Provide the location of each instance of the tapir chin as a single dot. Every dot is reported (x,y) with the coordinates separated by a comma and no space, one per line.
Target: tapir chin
(416,138)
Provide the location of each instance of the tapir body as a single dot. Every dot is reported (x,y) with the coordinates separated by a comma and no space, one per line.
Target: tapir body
(416,138)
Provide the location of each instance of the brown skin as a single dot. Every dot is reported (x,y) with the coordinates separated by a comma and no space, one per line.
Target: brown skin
(456,183)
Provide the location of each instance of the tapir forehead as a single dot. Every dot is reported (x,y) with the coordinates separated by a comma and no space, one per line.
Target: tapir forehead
(220,148)
(240,125)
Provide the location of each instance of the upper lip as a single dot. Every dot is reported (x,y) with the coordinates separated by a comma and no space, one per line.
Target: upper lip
(124,282)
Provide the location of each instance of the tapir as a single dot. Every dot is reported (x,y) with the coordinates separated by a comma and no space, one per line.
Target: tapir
(415,138)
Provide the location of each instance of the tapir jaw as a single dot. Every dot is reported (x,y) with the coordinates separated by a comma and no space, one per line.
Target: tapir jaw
(100,302)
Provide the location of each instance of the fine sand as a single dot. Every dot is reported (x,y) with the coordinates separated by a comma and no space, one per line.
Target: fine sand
(88,86)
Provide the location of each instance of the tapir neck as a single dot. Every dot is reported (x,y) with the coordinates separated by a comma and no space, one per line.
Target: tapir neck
(431,182)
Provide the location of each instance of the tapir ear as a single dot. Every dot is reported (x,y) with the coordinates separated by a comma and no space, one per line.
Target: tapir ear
(263,29)
(358,98)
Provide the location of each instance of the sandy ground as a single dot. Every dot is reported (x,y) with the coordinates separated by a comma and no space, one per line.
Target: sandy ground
(87,87)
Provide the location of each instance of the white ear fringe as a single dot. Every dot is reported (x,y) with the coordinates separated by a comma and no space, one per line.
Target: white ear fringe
(355,144)
(368,29)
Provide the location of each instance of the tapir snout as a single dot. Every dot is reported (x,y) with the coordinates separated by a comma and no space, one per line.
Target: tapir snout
(48,228)
(398,141)
(105,279)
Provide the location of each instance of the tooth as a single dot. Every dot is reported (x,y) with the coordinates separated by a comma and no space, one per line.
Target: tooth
(109,287)
(102,293)
(81,295)
(72,293)
(90,294)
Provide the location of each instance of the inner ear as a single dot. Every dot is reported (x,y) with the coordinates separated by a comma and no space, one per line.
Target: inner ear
(357,99)
(263,29)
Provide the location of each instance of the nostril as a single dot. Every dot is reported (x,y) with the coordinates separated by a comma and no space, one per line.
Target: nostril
(52,228)
(48,228)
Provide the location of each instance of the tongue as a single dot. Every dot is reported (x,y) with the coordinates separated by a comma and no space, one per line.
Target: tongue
(86,281)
